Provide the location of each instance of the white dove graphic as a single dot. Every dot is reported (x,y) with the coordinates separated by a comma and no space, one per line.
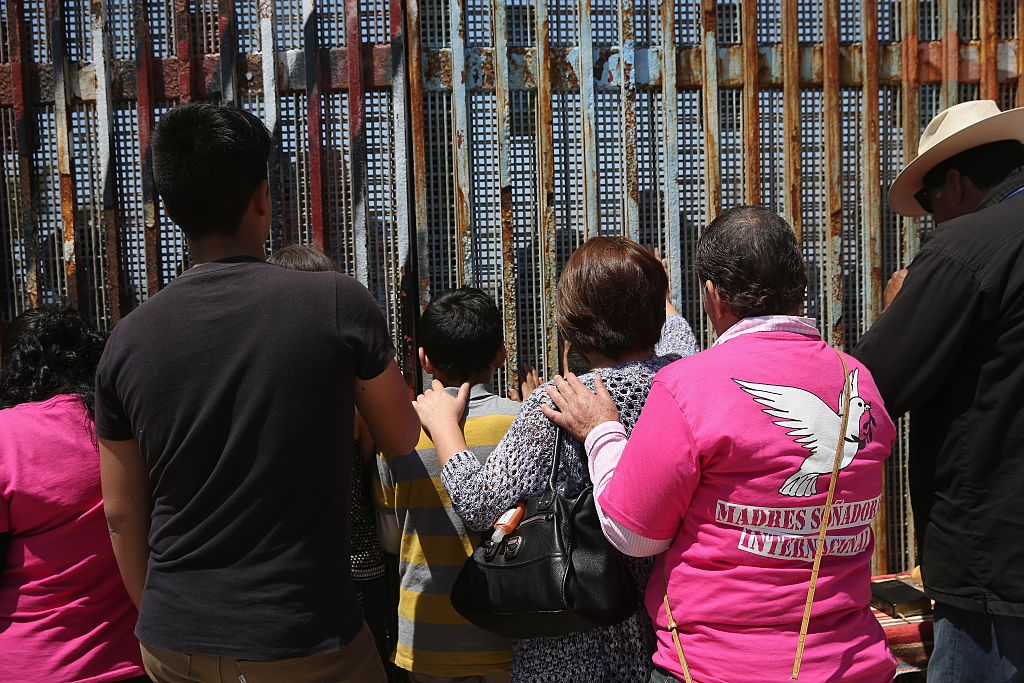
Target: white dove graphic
(813,425)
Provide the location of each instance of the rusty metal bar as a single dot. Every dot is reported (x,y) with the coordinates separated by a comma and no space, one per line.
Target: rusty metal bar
(314,102)
(751,108)
(871,223)
(627,84)
(419,147)
(833,317)
(357,137)
(911,114)
(504,127)
(183,48)
(588,119)
(409,291)
(1020,56)
(65,155)
(145,113)
(950,53)
(670,105)
(712,159)
(791,116)
(989,89)
(546,187)
(463,187)
(100,52)
(227,24)
(21,69)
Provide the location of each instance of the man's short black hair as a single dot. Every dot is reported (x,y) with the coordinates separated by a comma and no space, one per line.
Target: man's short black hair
(208,160)
(751,256)
(461,332)
(986,165)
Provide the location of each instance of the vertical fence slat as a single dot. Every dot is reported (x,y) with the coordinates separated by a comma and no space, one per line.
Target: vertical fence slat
(670,105)
(833,176)
(21,63)
(101,59)
(751,114)
(871,222)
(588,118)
(508,283)
(183,48)
(950,53)
(988,10)
(65,155)
(419,147)
(546,186)
(712,158)
(627,85)
(791,116)
(463,188)
(1020,56)
(314,129)
(911,111)
(227,25)
(357,136)
(268,64)
(409,291)
(145,116)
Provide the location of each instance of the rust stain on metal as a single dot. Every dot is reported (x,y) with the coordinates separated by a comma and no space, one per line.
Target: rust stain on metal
(911,114)
(751,114)
(144,73)
(418,134)
(950,52)
(546,184)
(183,48)
(833,175)
(712,160)
(311,47)
(989,89)
(357,136)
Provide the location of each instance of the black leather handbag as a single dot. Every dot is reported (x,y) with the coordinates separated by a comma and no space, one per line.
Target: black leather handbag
(554,574)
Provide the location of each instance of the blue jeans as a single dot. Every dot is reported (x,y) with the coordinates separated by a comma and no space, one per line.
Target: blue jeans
(972,646)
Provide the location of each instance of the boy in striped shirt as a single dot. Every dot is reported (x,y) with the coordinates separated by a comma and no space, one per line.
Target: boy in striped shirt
(461,336)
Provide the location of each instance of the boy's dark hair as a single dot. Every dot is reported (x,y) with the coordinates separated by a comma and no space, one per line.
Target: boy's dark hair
(986,165)
(208,160)
(751,256)
(49,351)
(611,297)
(302,257)
(461,332)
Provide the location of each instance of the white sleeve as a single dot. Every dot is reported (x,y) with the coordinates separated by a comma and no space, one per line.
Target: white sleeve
(605,445)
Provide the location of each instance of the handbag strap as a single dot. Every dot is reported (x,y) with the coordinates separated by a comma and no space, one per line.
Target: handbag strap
(549,494)
(826,514)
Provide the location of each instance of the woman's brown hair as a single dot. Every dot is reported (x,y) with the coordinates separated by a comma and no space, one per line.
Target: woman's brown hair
(611,297)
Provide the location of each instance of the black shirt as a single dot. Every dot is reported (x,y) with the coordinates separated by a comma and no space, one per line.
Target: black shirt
(950,349)
(238,381)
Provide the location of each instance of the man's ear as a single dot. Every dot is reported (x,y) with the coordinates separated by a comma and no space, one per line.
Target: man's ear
(261,199)
(499,358)
(714,301)
(425,362)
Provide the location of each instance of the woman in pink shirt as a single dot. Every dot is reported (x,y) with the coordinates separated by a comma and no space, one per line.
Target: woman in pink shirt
(726,475)
(64,612)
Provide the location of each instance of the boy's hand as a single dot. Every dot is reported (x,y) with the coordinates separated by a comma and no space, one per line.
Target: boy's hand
(580,409)
(437,408)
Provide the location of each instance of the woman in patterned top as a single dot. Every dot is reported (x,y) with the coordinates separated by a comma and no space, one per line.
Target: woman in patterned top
(612,312)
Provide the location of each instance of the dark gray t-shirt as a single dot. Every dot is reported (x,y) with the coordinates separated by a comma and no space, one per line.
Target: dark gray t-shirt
(238,381)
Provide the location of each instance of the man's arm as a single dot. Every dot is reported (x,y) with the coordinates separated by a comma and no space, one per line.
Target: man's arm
(128,507)
(385,406)
(912,347)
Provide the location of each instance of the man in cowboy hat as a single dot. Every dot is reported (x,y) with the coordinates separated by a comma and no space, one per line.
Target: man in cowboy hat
(950,348)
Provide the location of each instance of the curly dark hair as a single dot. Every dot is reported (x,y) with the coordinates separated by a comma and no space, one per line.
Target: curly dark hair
(751,256)
(49,351)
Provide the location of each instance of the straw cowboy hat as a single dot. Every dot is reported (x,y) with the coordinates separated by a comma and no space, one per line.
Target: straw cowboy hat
(953,130)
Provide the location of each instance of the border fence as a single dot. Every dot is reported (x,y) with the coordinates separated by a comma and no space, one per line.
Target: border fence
(429,143)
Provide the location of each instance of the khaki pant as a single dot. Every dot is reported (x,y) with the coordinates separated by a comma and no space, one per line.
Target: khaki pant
(357,662)
(489,678)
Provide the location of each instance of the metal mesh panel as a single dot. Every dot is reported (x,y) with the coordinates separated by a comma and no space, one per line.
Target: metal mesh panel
(769,22)
(810,18)
(288,24)
(440,192)
(562,20)
(729,30)
(247,17)
(730,145)
(128,176)
(38,26)
(773,160)
(1006,26)
(4,44)
(608,126)
(604,22)
(888,21)
(692,198)
(434,23)
(159,18)
(650,158)
(294,173)
(812,200)
(478,23)
(969,19)
(849,21)
(375,21)
(568,156)
(89,239)
(205,29)
(856,274)
(121,26)
(13,259)
(332,23)
(929,20)
(46,208)
(77,30)
(338,185)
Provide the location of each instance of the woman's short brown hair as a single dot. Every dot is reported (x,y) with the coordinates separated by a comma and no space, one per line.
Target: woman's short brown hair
(611,297)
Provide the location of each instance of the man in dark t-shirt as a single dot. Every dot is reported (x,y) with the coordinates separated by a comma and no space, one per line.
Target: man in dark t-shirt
(224,407)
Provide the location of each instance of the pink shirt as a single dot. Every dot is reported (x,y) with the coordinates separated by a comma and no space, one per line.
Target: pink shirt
(64,612)
(729,465)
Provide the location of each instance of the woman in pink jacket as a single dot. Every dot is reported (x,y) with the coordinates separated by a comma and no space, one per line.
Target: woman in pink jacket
(727,472)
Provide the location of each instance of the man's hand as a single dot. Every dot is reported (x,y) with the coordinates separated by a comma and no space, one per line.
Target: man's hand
(531,380)
(440,414)
(892,288)
(580,409)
